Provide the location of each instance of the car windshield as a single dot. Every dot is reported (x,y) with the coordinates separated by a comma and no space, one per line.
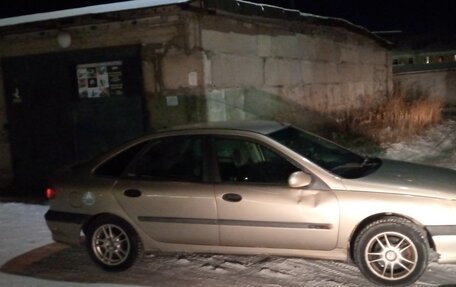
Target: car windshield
(326,154)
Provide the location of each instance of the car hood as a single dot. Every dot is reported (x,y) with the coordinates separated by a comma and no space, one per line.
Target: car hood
(408,178)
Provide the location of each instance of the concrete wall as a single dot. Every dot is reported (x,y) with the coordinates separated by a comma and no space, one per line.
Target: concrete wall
(173,90)
(439,84)
(268,70)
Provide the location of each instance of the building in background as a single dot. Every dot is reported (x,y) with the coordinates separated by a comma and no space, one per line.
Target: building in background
(80,81)
(424,65)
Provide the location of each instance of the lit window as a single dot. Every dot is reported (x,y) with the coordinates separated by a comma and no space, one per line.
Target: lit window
(440,59)
(455,58)
(428,60)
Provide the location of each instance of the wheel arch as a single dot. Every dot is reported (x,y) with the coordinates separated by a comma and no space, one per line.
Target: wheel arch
(93,218)
(368,220)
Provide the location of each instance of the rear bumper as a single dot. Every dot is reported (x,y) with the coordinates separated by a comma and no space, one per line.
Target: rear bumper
(66,227)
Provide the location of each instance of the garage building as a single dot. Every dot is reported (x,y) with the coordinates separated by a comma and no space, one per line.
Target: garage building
(77,82)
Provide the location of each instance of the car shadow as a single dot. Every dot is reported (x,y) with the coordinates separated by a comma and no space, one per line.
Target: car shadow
(58,262)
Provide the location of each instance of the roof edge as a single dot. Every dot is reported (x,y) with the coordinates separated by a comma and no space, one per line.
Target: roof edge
(296,15)
(95,9)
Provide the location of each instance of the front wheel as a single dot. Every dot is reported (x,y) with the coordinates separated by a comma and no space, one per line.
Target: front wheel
(113,243)
(392,252)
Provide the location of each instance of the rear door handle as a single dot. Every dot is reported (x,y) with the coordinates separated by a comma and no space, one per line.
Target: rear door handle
(232,197)
(132,193)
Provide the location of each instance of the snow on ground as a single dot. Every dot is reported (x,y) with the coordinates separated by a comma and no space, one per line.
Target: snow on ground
(23,229)
(29,257)
(437,146)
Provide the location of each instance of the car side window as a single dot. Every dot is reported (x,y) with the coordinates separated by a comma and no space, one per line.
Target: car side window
(177,158)
(246,161)
(114,166)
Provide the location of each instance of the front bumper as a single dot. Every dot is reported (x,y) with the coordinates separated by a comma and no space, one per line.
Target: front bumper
(444,237)
(66,227)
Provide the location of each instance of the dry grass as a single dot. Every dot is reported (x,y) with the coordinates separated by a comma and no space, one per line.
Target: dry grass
(396,119)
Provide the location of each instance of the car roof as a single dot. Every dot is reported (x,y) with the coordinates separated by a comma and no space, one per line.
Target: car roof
(259,126)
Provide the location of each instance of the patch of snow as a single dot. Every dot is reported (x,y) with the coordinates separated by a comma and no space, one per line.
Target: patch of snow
(183,261)
(437,147)
(23,228)
(233,265)
(210,267)
(273,273)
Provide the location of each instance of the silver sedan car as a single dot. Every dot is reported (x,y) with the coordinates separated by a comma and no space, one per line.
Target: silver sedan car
(257,187)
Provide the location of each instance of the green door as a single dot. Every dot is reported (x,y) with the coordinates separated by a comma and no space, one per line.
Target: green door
(52,123)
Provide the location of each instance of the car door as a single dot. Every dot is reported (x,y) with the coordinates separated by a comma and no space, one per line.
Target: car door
(165,191)
(256,206)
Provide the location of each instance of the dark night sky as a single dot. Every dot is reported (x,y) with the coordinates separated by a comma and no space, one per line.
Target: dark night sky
(410,16)
(407,15)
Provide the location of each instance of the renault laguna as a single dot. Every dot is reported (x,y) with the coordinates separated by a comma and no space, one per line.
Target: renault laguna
(257,187)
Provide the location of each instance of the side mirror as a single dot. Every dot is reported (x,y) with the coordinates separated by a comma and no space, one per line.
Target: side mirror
(299,179)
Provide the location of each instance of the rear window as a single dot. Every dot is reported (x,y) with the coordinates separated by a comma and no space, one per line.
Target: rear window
(114,166)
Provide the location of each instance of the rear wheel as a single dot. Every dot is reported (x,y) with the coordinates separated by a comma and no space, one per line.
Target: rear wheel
(113,243)
(392,251)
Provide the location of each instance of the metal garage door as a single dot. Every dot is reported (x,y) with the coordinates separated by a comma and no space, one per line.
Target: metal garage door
(67,107)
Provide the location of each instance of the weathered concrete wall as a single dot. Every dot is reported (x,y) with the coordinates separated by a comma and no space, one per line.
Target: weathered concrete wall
(103,35)
(173,90)
(313,68)
(439,84)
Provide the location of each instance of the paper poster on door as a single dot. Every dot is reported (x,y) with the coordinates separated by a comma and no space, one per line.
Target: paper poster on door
(97,80)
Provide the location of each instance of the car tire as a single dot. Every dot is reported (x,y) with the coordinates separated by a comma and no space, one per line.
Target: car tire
(112,243)
(392,252)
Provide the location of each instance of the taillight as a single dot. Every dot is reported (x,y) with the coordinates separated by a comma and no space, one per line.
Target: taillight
(50,193)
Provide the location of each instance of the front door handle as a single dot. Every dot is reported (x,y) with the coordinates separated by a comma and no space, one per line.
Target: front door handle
(132,193)
(232,197)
